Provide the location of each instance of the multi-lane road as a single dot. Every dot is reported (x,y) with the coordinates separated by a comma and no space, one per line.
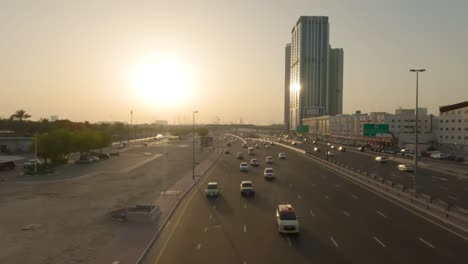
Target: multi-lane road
(449,188)
(340,221)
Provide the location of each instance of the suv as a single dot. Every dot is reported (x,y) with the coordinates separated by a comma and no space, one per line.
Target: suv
(282,155)
(286,219)
(212,189)
(226,151)
(254,162)
(244,166)
(269,174)
(269,160)
(406,167)
(240,156)
(250,151)
(247,188)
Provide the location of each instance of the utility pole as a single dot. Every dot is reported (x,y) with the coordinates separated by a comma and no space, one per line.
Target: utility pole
(193,146)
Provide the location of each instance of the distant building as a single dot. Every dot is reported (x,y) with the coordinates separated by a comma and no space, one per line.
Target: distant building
(53,118)
(310,72)
(287,71)
(335,82)
(161,122)
(452,133)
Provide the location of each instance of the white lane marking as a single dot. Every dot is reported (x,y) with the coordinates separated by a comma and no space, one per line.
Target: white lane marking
(245,262)
(334,242)
(289,242)
(311,213)
(451,197)
(217,198)
(206,229)
(380,213)
(313,185)
(443,188)
(440,178)
(396,176)
(354,196)
(211,216)
(427,243)
(214,206)
(198,246)
(299,196)
(245,205)
(326,196)
(346,213)
(245,228)
(380,242)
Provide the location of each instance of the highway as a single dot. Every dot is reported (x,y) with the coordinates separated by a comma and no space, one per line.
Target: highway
(340,221)
(447,187)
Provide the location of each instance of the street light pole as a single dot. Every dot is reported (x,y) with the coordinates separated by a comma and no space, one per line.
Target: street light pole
(193,145)
(416,126)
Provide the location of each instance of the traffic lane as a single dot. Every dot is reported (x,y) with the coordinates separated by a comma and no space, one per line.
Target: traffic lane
(443,186)
(449,245)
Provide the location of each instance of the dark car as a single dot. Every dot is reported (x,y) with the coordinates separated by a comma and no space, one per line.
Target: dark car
(103,156)
(228,144)
(114,153)
(7,165)
(361,149)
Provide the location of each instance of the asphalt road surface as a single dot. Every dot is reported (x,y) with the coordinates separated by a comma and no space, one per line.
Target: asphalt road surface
(340,221)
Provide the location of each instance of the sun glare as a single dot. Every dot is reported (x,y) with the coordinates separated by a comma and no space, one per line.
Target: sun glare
(161,81)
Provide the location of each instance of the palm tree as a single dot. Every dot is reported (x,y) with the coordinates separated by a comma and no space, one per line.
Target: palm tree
(20,115)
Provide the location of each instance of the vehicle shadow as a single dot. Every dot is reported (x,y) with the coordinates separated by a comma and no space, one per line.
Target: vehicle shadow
(220,205)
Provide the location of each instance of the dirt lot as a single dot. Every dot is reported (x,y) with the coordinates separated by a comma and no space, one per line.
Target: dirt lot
(73,215)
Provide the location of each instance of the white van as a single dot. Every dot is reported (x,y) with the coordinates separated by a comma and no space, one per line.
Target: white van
(250,151)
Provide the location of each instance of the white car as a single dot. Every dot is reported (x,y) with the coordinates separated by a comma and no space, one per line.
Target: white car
(212,189)
(95,158)
(286,219)
(244,166)
(240,156)
(381,159)
(250,151)
(282,155)
(247,188)
(268,173)
(269,160)
(406,167)
(438,156)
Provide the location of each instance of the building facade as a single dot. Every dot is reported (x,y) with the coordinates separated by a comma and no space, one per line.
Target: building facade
(287,80)
(452,132)
(335,83)
(310,72)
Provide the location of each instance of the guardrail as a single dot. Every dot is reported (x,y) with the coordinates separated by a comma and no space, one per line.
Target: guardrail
(234,135)
(452,215)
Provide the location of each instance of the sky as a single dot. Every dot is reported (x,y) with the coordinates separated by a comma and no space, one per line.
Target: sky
(85,60)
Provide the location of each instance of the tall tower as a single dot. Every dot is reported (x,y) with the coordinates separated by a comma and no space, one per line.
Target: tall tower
(309,68)
(335,84)
(287,71)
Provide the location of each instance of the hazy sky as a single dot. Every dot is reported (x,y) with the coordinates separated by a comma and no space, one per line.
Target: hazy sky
(75,59)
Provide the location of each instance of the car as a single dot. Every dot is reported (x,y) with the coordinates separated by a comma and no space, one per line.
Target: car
(94,158)
(317,149)
(332,146)
(247,188)
(272,143)
(254,162)
(406,167)
(250,151)
(438,156)
(244,166)
(244,145)
(388,151)
(103,156)
(257,146)
(7,165)
(286,219)
(341,149)
(313,142)
(293,143)
(330,154)
(84,160)
(282,155)
(212,189)
(227,151)
(268,173)
(228,144)
(328,144)
(269,159)
(29,164)
(267,146)
(381,159)
(361,149)
(409,154)
(240,156)
(114,153)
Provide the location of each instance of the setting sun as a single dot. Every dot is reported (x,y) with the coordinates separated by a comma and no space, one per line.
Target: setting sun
(162,81)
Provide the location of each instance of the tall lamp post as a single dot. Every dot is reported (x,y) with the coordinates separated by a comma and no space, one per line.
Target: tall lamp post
(193,146)
(416,126)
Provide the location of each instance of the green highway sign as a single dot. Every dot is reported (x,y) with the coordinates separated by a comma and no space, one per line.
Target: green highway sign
(302,129)
(376,130)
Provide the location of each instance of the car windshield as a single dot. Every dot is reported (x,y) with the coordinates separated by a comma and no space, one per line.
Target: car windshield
(212,186)
(247,184)
(269,170)
(287,215)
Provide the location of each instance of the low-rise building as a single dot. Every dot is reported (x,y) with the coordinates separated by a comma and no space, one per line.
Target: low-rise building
(452,131)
